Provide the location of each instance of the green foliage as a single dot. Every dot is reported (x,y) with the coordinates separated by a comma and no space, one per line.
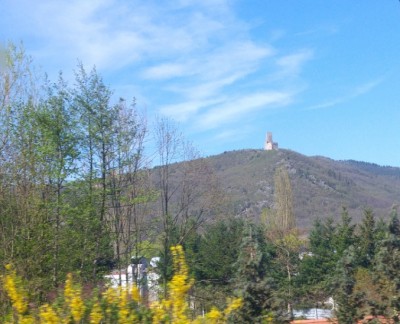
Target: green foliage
(111,305)
(367,274)
(344,234)
(315,271)
(218,251)
(367,239)
(348,301)
(387,267)
(58,160)
(282,218)
(255,285)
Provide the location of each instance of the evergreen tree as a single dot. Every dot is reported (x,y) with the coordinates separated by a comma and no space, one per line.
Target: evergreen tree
(348,301)
(255,286)
(218,252)
(344,234)
(211,257)
(387,269)
(317,267)
(380,232)
(367,239)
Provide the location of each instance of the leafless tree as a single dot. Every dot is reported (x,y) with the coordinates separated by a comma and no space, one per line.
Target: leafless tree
(187,189)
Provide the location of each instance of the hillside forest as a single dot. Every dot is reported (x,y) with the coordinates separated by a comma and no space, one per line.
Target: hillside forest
(86,185)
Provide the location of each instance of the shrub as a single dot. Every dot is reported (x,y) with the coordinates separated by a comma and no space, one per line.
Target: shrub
(114,305)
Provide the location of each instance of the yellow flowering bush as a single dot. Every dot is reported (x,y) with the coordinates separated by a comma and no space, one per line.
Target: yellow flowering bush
(12,284)
(174,308)
(48,315)
(72,295)
(120,305)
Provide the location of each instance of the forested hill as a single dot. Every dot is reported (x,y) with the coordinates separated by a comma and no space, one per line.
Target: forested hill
(321,186)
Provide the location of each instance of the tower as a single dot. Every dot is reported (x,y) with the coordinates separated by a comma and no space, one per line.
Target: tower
(269,144)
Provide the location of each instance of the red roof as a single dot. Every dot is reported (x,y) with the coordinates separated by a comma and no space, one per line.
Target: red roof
(325,320)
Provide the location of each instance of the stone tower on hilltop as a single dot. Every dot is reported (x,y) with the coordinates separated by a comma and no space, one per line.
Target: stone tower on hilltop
(269,144)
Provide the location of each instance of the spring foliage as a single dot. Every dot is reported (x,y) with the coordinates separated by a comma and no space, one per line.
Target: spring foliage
(114,305)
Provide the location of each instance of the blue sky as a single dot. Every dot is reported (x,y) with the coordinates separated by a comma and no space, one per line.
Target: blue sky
(323,76)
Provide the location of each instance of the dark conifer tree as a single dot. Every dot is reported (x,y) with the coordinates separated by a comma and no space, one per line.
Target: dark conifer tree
(344,236)
(348,302)
(387,269)
(314,281)
(218,252)
(254,284)
(367,239)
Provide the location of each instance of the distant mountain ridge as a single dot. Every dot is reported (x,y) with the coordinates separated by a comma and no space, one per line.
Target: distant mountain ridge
(321,186)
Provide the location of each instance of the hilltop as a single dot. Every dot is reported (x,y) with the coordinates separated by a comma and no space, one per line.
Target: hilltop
(321,186)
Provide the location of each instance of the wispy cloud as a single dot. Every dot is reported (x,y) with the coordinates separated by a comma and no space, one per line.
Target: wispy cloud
(228,134)
(198,55)
(291,65)
(113,33)
(183,111)
(165,71)
(205,97)
(356,92)
(238,108)
(321,30)
(228,58)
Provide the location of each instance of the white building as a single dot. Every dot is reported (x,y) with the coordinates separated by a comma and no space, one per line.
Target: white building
(140,274)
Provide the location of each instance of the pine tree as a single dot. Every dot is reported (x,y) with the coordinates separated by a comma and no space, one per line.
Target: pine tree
(387,269)
(218,252)
(211,257)
(348,301)
(255,286)
(367,239)
(344,235)
(316,268)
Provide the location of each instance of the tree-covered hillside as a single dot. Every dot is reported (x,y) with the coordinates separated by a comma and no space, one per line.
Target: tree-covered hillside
(321,186)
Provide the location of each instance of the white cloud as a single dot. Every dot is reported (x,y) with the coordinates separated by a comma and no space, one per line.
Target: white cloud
(230,58)
(291,64)
(184,110)
(356,92)
(228,134)
(111,33)
(165,71)
(367,87)
(241,107)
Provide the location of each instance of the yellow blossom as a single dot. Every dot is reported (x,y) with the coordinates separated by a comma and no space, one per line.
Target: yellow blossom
(48,315)
(159,311)
(13,287)
(27,319)
(123,313)
(214,315)
(73,297)
(110,295)
(120,305)
(96,314)
(135,293)
(233,305)
(179,286)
